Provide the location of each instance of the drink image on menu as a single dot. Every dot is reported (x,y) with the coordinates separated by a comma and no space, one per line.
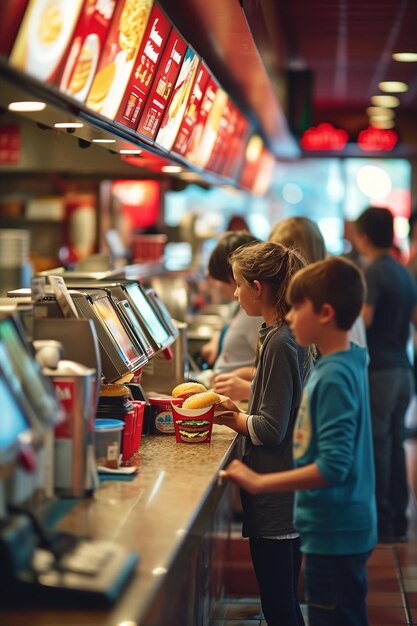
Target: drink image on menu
(119,56)
(43,37)
(175,111)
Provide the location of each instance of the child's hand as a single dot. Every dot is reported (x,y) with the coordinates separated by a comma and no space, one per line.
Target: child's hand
(226,404)
(240,474)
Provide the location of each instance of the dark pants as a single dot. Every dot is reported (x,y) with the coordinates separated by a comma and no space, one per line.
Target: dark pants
(277,564)
(335,589)
(390,394)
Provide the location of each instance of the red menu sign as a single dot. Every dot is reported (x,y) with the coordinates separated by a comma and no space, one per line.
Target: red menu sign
(208,124)
(194,142)
(78,68)
(192,110)
(177,105)
(223,140)
(119,56)
(9,144)
(152,46)
(236,153)
(162,86)
(43,37)
(11,16)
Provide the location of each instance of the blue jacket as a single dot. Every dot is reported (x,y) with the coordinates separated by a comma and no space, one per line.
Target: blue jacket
(333,430)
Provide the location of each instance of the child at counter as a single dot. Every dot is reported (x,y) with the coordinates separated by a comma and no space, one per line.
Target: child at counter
(262,272)
(335,511)
(239,339)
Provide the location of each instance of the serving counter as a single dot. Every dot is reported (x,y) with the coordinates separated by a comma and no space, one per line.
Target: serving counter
(176,515)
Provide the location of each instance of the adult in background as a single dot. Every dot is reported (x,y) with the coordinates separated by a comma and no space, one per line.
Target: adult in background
(389,308)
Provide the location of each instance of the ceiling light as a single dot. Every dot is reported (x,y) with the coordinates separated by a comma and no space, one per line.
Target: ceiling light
(385,101)
(405,57)
(130,151)
(381,123)
(380,112)
(68,125)
(103,140)
(26,106)
(171,169)
(393,86)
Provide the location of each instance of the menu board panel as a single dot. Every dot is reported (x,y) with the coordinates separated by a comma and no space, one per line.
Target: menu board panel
(207,126)
(192,109)
(119,56)
(175,111)
(223,138)
(79,65)
(43,37)
(194,141)
(152,46)
(235,155)
(11,15)
(162,86)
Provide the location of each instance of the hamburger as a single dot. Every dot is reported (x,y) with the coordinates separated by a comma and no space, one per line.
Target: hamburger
(194,430)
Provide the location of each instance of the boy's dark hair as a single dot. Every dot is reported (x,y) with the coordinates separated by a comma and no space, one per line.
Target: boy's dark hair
(219,267)
(335,281)
(377,224)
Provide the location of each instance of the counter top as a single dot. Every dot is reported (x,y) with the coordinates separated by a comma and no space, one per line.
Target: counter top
(153,515)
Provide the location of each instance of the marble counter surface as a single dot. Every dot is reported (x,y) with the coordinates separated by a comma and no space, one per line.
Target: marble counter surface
(155,515)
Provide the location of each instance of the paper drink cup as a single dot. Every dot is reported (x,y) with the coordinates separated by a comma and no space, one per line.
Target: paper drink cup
(193,425)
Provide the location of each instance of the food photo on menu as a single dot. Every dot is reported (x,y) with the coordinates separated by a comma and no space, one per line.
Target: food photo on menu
(119,56)
(144,70)
(175,112)
(79,65)
(43,37)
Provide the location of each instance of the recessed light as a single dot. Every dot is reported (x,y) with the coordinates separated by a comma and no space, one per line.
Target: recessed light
(405,57)
(171,169)
(104,141)
(385,101)
(68,125)
(130,151)
(393,86)
(380,112)
(26,106)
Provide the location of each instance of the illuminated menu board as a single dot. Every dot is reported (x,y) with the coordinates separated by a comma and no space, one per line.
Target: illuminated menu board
(119,56)
(43,37)
(79,65)
(163,85)
(237,143)
(192,110)
(149,55)
(207,125)
(222,142)
(194,142)
(11,15)
(177,105)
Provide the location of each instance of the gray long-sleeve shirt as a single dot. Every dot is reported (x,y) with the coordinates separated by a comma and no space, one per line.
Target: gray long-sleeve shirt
(273,406)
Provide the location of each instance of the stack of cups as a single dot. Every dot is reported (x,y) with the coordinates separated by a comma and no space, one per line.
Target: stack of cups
(15,266)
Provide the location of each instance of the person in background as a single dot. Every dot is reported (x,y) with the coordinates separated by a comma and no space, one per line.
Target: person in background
(389,308)
(262,272)
(234,350)
(335,510)
(305,235)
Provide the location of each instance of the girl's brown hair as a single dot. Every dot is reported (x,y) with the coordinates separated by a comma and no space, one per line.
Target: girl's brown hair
(272,264)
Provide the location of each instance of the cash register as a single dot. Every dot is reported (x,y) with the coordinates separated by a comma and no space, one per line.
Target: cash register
(37,564)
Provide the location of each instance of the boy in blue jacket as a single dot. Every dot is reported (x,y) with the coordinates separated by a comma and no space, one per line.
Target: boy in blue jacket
(335,511)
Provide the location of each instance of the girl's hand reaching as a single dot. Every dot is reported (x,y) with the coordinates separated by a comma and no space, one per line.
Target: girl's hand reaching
(227,404)
(240,474)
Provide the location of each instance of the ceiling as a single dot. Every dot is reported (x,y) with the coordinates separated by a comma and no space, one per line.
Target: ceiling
(343,46)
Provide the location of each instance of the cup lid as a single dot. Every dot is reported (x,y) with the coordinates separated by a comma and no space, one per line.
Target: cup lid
(107,424)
